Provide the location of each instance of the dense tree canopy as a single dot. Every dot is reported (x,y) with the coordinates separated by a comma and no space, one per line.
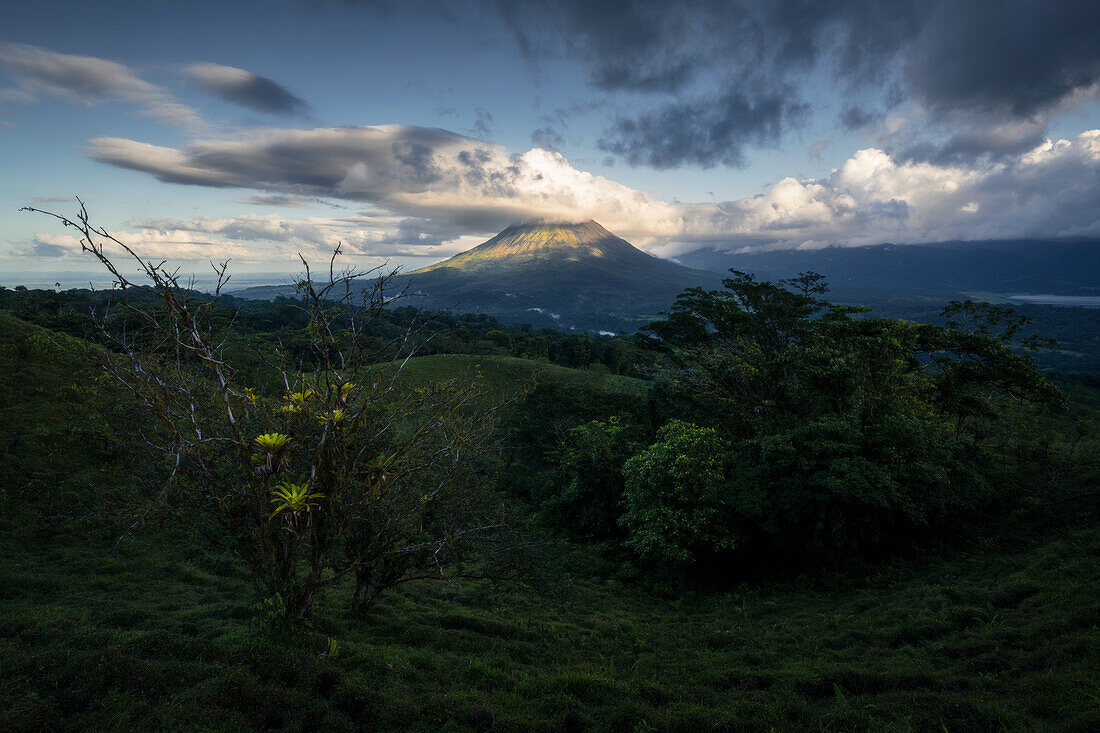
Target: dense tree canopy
(804,432)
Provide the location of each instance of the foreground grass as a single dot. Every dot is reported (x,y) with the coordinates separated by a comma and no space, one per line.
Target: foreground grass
(156,634)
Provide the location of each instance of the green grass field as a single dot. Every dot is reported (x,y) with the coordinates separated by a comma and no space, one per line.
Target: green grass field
(501,376)
(156,634)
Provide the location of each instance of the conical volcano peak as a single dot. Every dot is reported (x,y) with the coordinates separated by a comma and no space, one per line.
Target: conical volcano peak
(536,236)
(544,240)
(564,230)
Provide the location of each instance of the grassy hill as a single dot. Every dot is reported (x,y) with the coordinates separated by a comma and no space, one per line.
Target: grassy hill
(156,634)
(501,374)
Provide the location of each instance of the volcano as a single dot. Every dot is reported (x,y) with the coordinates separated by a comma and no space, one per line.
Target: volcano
(575,275)
(542,244)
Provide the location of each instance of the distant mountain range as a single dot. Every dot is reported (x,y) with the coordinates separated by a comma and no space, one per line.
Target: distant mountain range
(582,276)
(950,268)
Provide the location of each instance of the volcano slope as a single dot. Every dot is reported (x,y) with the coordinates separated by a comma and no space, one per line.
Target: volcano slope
(568,275)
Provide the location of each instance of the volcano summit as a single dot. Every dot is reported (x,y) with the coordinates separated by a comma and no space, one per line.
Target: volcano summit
(533,243)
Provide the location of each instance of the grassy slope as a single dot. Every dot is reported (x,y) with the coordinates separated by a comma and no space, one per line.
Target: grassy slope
(501,374)
(157,635)
(501,379)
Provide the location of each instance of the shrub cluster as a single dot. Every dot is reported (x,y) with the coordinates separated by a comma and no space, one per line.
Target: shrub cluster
(796,432)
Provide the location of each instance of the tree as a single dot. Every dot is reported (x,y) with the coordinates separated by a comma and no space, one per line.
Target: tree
(355,470)
(846,434)
(590,466)
(675,504)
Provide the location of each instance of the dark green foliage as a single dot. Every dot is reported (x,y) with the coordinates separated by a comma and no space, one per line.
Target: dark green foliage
(149,639)
(834,490)
(154,635)
(285,321)
(675,498)
(585,498)
(68,431)
(849,436)
(535,430)
(1072,329)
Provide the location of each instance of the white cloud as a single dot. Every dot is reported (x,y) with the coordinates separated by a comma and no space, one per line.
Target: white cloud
(173,244)
(1051,191)
(88,80)
(270,239)
(476,186)
(446,185)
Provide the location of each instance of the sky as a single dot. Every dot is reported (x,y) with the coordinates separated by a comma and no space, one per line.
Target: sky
(407,131)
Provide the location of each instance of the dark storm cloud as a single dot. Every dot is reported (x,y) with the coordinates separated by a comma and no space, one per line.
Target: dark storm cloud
(547,138)
(854,118)
(627,45)
(973,140)
(969,64)
(1016,58)
(733,68)
(246,89)
(704,131)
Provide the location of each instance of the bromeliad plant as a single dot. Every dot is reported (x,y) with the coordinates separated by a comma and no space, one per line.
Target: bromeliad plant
(346,390)
(272,452)
(335,416)
(301,398)
(272,442)
(384,493)
(294,499)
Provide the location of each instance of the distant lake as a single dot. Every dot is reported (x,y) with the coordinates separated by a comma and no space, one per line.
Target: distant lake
(1066,301)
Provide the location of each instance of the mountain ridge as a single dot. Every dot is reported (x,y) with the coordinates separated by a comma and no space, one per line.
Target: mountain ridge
(946,268)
